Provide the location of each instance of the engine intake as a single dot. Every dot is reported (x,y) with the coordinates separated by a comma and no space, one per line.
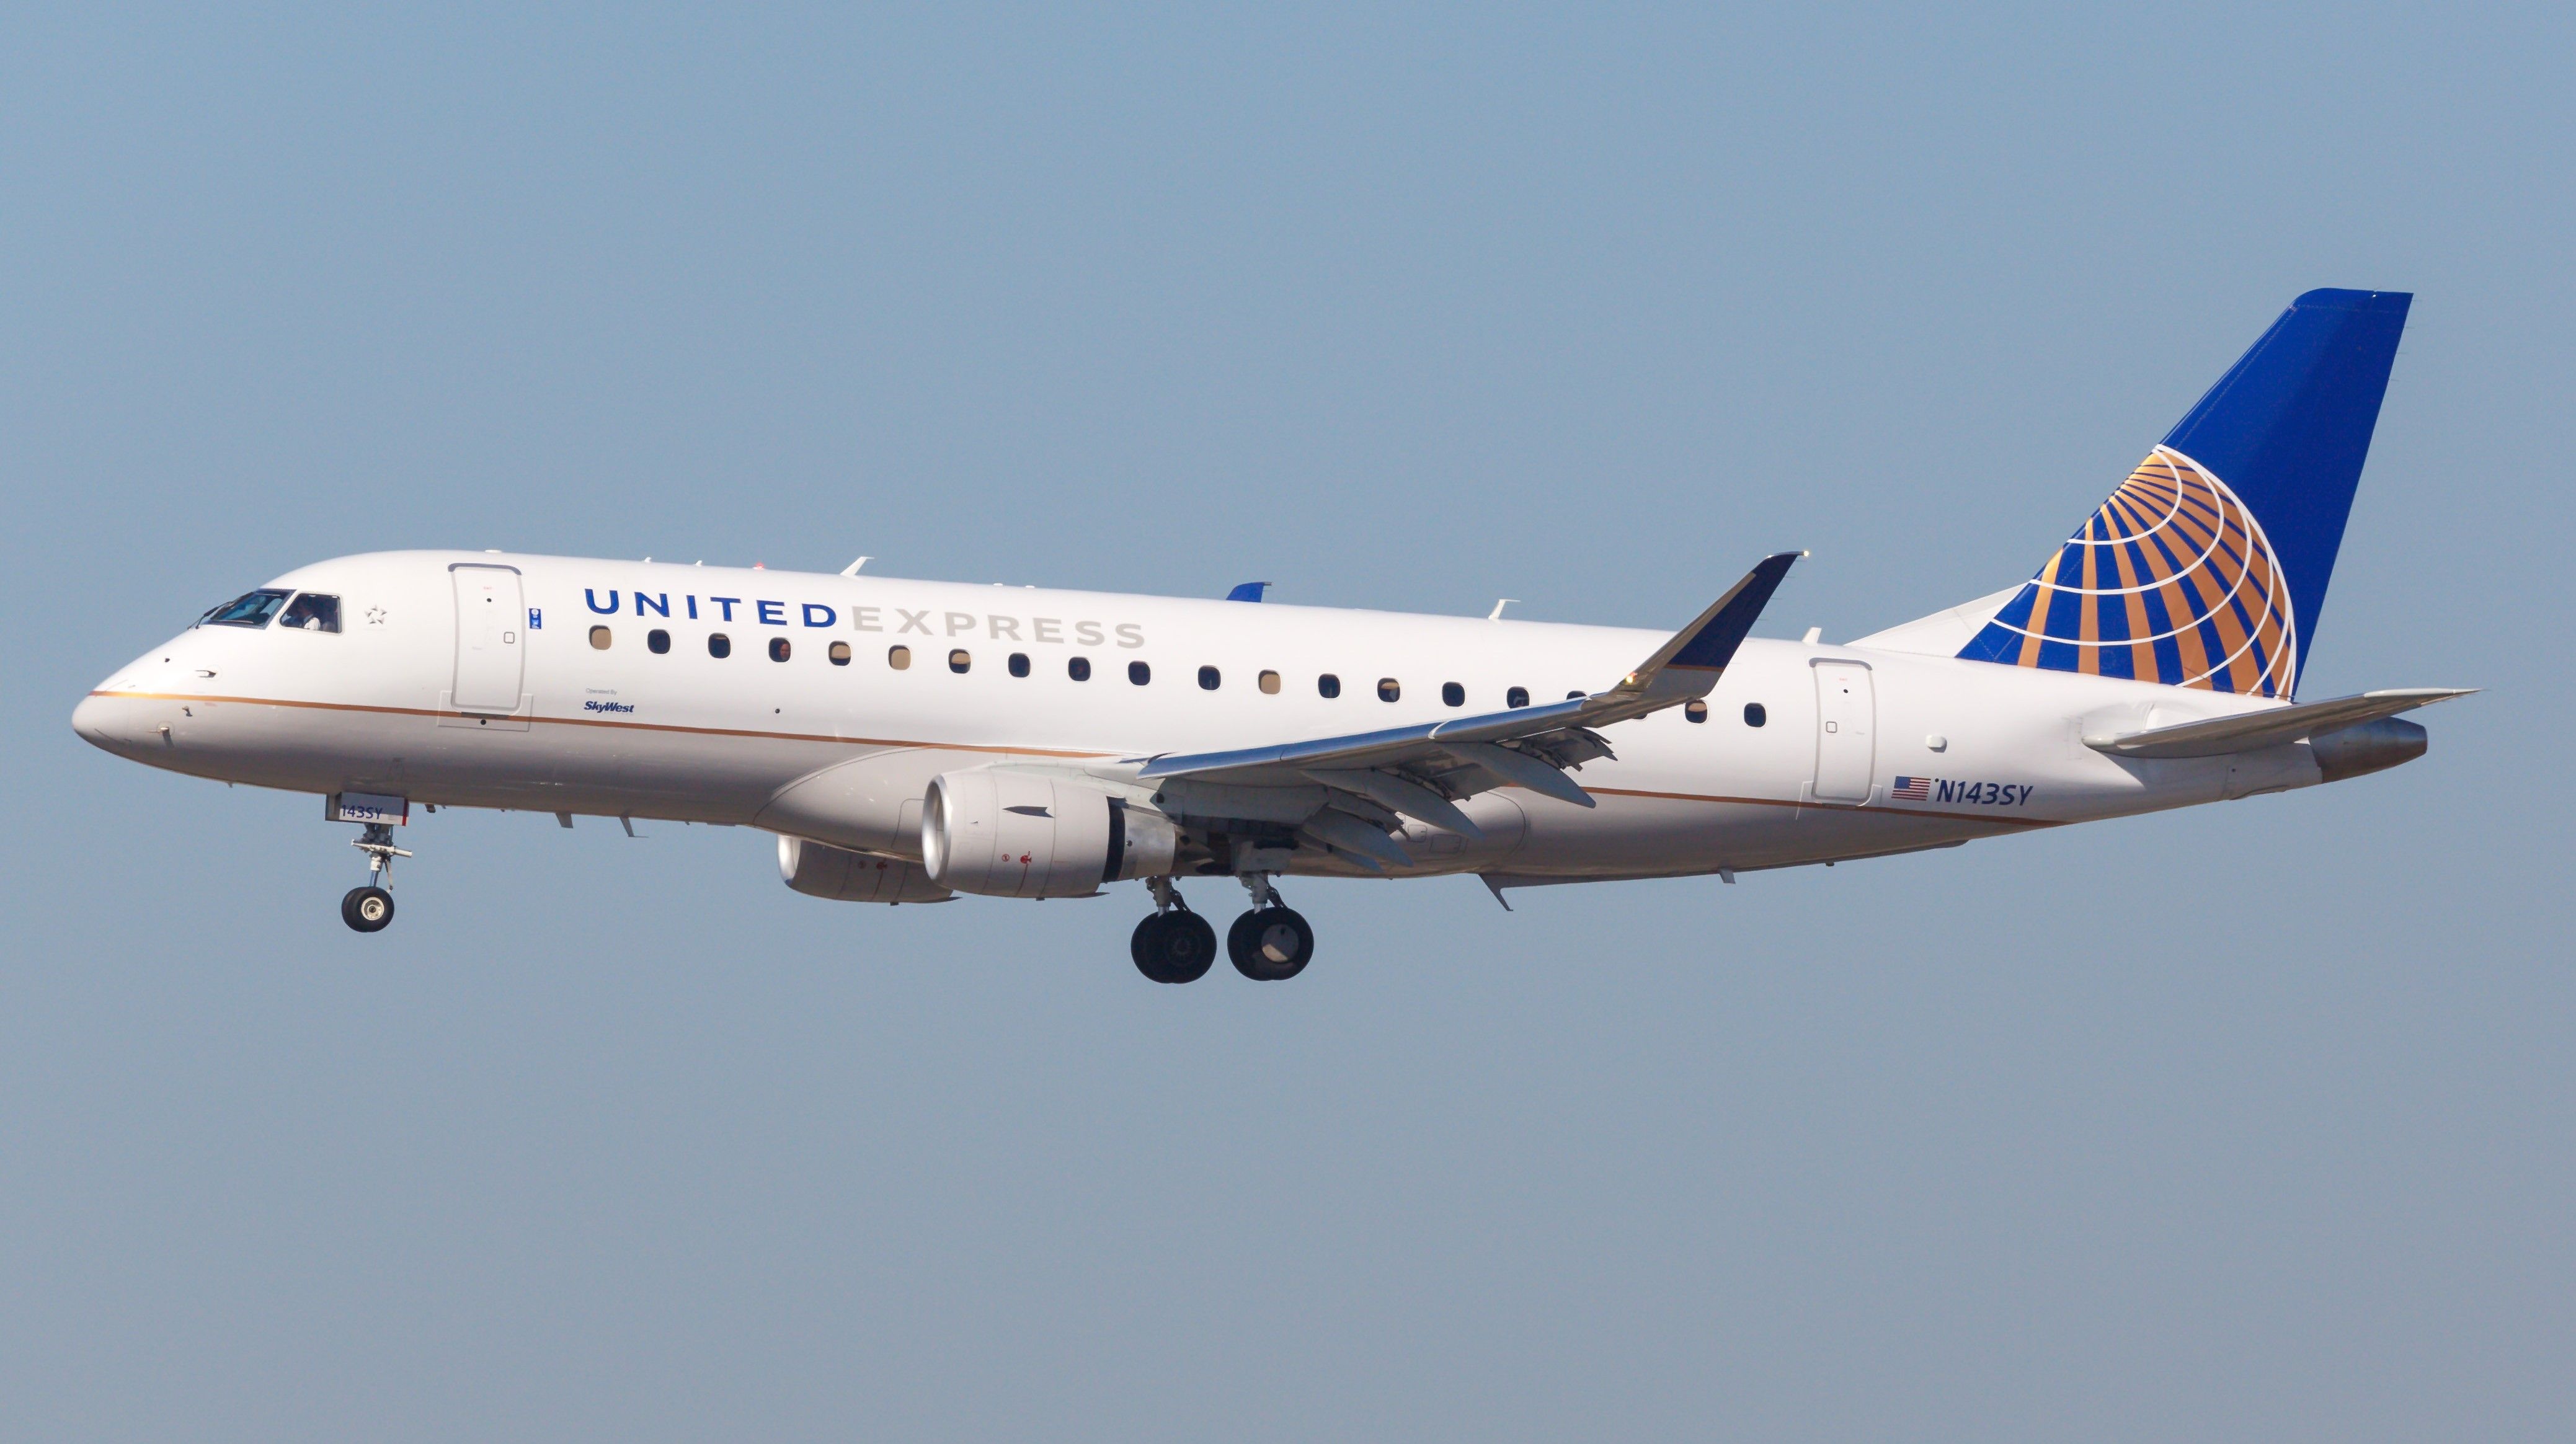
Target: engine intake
(1013,834)
(820,870)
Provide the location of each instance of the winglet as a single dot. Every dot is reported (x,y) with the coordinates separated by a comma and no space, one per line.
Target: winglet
(1711,641)
(1689,663)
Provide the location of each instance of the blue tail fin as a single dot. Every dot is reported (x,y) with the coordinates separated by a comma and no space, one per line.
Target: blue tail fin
(2207,568)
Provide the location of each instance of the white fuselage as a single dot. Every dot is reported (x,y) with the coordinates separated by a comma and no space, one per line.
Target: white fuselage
(843,752)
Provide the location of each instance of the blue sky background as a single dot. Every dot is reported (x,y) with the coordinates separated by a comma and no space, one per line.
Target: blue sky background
(2248,1122)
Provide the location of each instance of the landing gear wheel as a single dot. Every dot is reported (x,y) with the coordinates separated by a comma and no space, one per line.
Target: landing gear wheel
(1270,945)
(367,909)
(1174,947)
(1146,944)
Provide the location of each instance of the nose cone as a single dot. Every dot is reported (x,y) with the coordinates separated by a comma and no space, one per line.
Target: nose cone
(102,722)
(131,712)
(121,716)
(89,719)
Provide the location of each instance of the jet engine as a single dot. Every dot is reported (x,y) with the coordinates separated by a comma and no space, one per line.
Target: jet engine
(1015,834)
(821,870)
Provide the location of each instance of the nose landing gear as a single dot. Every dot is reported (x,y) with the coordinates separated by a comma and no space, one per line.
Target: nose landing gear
(368,909)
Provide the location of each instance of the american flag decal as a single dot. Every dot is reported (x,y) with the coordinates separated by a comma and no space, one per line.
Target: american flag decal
(1912,789)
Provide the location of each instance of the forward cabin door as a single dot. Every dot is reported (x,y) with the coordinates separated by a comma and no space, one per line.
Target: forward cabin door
(491,638)
(1846,724)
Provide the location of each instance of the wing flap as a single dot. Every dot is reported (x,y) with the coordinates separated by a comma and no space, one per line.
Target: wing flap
(1400,794)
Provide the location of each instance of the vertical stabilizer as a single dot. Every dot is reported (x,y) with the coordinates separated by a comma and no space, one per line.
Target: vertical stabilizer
(2207,568)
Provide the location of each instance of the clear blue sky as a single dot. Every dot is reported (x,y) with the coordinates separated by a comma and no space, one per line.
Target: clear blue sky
(2248,1122)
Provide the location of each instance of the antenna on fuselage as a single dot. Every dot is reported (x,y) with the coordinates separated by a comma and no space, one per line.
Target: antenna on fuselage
(1496,614)
(852,569)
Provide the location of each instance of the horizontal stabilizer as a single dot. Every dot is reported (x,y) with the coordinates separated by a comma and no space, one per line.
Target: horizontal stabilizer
(2273,725)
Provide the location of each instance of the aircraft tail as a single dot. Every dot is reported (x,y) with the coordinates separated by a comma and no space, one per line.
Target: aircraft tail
(2207,568)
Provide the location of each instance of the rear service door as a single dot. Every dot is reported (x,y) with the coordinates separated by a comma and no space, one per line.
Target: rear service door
(1846,718)
(491,638)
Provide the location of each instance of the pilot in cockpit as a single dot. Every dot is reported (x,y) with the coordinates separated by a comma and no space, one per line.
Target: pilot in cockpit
(309,612)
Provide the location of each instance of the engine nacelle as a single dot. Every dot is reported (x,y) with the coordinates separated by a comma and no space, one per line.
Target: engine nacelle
(820,870)
(1015,834)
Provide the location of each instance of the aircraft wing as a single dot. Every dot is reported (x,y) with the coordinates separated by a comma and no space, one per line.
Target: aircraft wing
(2249,730)
(1361,782)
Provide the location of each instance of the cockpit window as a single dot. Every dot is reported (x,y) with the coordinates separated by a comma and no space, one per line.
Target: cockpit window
(312,612)
(250,610)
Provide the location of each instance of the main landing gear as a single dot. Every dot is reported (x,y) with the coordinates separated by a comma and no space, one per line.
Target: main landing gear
(1172,944)
(1269,944)
(368,909)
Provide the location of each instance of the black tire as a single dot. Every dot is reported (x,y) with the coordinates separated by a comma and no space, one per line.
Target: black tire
(1174,947)
(367,909)
(1145,946)
(1264,953)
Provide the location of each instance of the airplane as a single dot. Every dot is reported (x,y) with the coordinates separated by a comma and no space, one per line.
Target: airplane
(908,741)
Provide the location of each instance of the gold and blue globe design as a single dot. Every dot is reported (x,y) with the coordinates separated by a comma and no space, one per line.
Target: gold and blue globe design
(2171,581)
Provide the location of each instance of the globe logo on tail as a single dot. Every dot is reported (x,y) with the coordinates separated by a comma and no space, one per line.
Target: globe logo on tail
(2172,581)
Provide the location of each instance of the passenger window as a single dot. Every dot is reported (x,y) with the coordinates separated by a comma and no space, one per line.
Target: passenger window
(1210,679)
(657,641)
(1517,697)
(899,657)
(1078,668)
(778,649)
(1139,673)
(839,652)
(1328,685)
(1453,695)
(1695,711)
(958,661)
(599,639)
(1019,664)
(312,613)
(252,609)
(1754,716)
(1269,684)
(719,645)
(1388,689)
